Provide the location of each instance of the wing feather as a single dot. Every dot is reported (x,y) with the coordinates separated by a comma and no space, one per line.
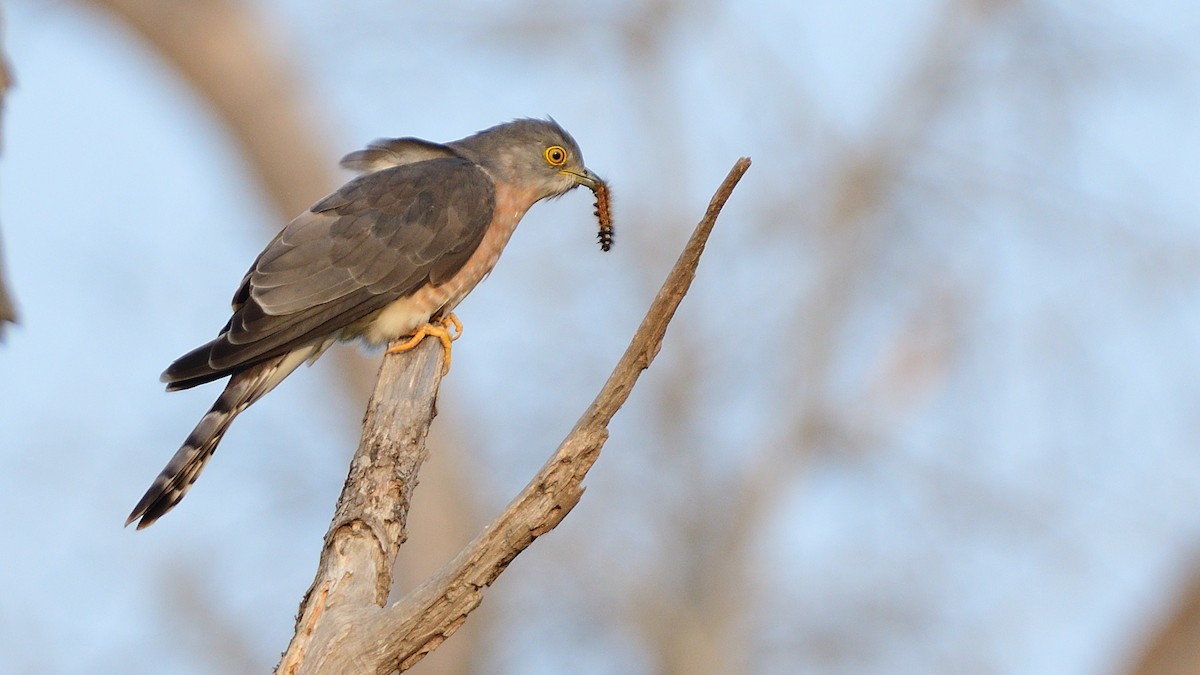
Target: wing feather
(385,152)
(380,237)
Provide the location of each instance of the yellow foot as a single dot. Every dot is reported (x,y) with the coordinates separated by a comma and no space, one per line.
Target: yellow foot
(440,329)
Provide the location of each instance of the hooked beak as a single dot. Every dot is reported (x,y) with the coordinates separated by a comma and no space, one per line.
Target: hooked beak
(586,179)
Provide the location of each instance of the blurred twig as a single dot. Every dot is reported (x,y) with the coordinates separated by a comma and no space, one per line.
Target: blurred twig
(341,626)
(8,313)
(219,46)
(1172,648)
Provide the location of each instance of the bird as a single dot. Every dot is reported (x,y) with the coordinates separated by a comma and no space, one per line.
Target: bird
(389,254)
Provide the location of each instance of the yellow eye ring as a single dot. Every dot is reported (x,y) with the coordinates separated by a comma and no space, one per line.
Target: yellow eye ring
(556,155)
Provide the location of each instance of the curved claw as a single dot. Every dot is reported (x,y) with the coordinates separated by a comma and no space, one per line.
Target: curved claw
(439,330)
(451,320)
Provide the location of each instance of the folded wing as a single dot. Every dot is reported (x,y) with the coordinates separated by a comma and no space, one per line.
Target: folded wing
(381,237)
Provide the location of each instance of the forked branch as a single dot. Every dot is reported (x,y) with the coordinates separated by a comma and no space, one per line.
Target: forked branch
(342,626)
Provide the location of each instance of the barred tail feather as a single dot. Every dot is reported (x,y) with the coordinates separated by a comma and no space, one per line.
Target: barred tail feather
(173,482)
(243,389)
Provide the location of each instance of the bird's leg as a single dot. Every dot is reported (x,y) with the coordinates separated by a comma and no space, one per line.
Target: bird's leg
(439,330)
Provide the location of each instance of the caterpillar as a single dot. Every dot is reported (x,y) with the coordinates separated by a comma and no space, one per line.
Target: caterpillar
(604,215)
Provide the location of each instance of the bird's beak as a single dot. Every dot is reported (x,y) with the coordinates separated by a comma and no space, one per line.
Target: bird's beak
(586,179)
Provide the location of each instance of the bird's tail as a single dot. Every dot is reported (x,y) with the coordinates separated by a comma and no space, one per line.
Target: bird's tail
(243,388)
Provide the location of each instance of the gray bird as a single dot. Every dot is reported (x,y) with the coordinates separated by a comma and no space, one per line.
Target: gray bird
(389,254)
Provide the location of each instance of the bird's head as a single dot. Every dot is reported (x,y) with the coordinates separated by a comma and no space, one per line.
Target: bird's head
(537,155)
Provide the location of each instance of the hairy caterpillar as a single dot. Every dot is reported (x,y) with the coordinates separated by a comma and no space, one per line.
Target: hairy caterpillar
(604,215)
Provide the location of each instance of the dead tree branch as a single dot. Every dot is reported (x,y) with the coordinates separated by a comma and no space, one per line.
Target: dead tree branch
(342,625)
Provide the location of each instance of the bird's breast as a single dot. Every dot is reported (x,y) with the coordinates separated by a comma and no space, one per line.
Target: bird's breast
(404,315)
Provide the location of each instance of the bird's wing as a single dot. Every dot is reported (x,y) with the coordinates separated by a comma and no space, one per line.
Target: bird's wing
(380,237)
(388,152)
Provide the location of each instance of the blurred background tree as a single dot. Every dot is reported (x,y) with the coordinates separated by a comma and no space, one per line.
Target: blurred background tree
(930,407)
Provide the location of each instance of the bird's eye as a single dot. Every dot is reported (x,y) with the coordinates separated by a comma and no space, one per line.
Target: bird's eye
(556,155)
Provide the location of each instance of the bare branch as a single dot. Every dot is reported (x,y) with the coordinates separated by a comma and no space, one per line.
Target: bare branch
(355,570)
(342,626)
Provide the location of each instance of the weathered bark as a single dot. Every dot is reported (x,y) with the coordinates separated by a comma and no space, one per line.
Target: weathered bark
(342,625)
